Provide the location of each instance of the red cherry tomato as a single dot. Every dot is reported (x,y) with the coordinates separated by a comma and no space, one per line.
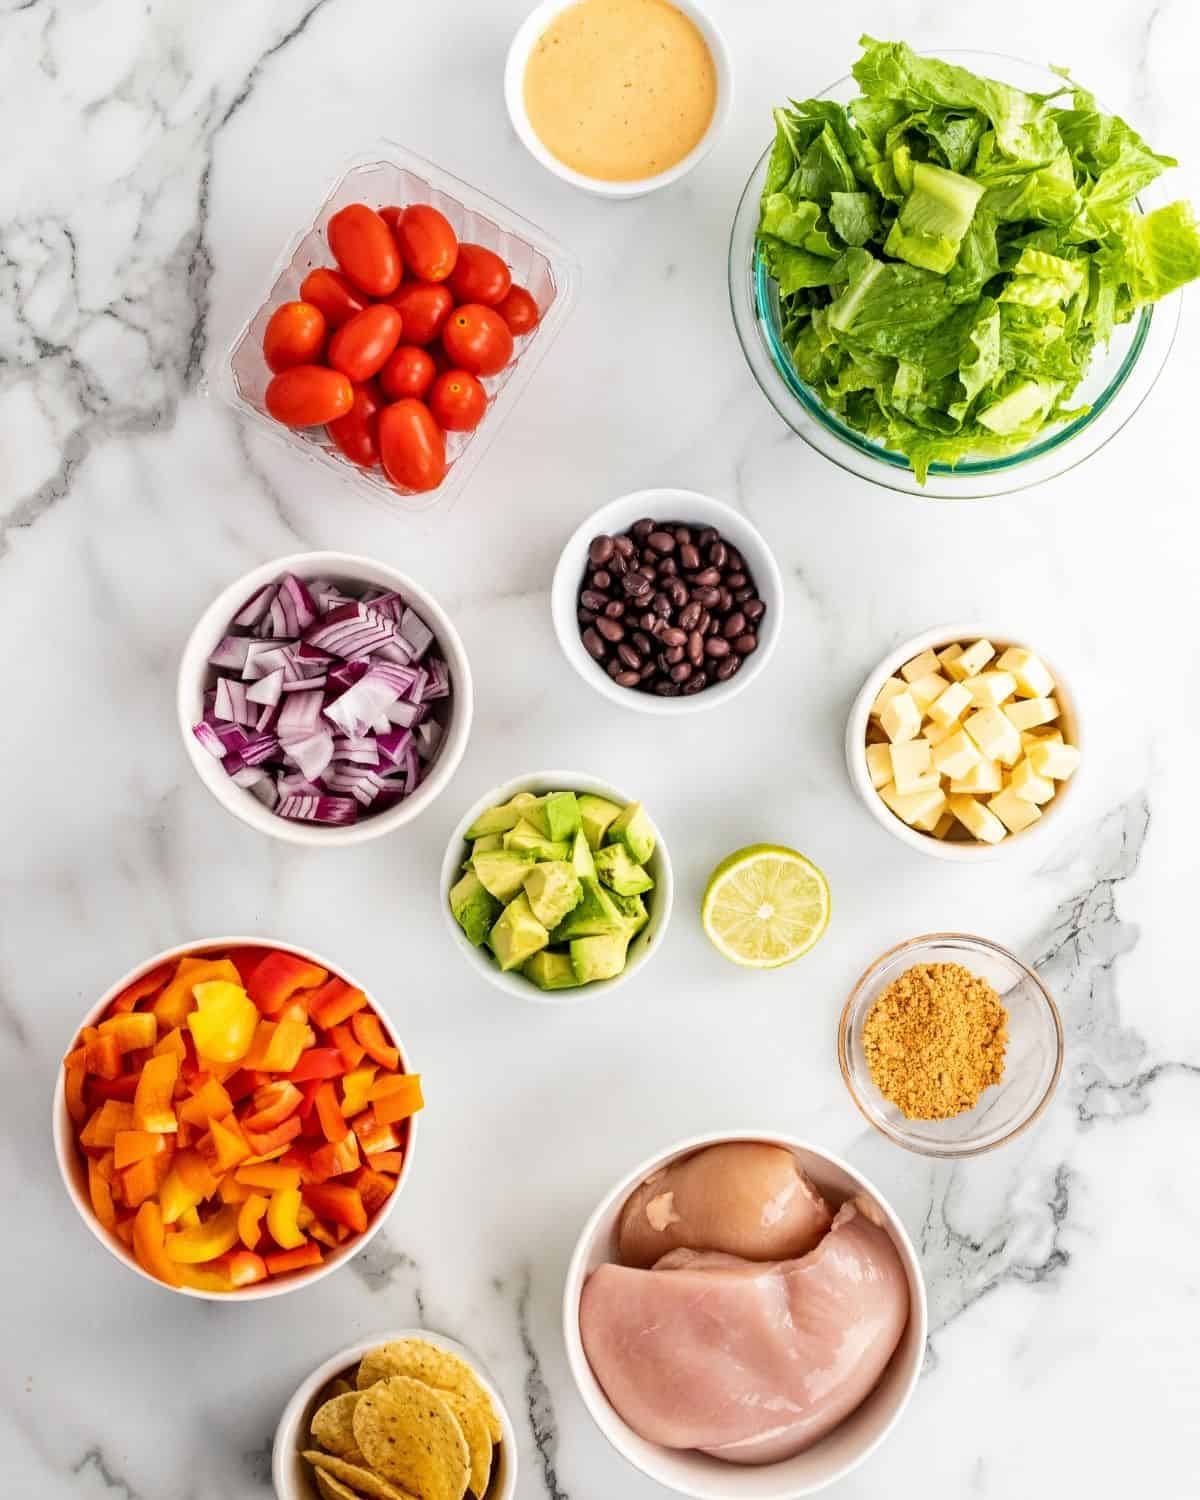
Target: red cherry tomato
(365,248)
(295,335)
(361,347)
(479,275)
(357,434)
(441,360)
(457,401)
(424,307)
(409,372)
(519,311)
(391,216)
(427,243)
(336,295)
(477,339)
(309,396)
(411,445)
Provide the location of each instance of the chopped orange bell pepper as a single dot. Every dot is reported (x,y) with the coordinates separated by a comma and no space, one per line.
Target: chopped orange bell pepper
(387,1161)
(335,1002)
(101,1130)
(149,1245)
(230,1190)
(281,1218)
(242,1267)
(333,1160)
(268,1175)
(214,1237)
(173,1041)
(104,1056)
(135,1145)
(323,1234)
(329,1113)
(100,1192)
(152,1103)
(173,1005)
(368,1028)
(189,1219)
(123,1229)
(277,1046)
(140,988)
(210,1101)
(272,1104)
(277,977)
(356,1089)
(348,1045)
(307,1254)
(144,1178)
(249,1222)
(73,1092)
(373,1135)
(374,1188)
(264,1142)
(338,1203)
(223,1023)
(396,1097)
(137,1029)
(229,1146)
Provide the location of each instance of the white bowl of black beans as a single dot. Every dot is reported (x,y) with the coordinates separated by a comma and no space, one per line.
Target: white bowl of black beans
(667,601)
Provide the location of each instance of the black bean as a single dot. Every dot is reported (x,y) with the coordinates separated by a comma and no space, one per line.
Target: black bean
(600,550)
(689,557)
(648,670)
(745,643)
(601,580)
(736,580)
(707,597)
(662,605)
(624,546)
(728,667)
(707,537)
(619,565)
(707,577)
(695,647)
(683,535)
(593,644)
(613,668)
(646,620)
(717,647)
(678,592)
(682,672)
(754,610)
(689,615)
(667,689)
(585,616)
(741,596)
(648,557)
(718,553)
(611,630)
(643,642)
(662,541)
(629,656)
(667,568)
(697,684)
(674,636)
(614,609)
(627,679)
(672,655)
(635,584)
(590,599)
(642,529)
(734,625)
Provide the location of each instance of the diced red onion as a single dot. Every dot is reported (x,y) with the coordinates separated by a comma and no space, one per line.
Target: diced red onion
(256,607)
(210,739)
(292,609)
(266,792)
(350,630)
(261,748)
(362,751)
(393,744)
(249,776)
(388,604)
(231,702)
(429,737)
(231,653)
(310,809)
(406,714)
(263,658)
(267,689)
(300,715)
(312,753)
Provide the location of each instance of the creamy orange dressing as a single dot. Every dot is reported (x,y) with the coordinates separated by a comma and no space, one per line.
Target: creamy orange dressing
(620,89)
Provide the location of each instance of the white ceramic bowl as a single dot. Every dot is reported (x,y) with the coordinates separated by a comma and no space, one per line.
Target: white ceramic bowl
(74,1173)
(856,739)
(514,96)
(195,676)
(686,506)
(694,1473)
(658,901)
(291,1475)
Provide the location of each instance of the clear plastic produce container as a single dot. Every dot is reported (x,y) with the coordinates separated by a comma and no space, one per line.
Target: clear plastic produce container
(390,174)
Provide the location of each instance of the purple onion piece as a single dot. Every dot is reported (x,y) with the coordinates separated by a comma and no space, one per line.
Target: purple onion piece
(267,689)
(256,607)
(415,631)
(230,653)
(312,753)
(210,739)
(314,809)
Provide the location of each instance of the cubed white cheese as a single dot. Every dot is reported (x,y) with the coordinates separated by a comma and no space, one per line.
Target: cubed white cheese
(1029,785)
(920,666)
(910,760)
(901,718)
(974,658)
(943,825)
(951,705)
(1040,737)
(956,756)
(890,688)
(927,690)
(936,733)
(949,654)
(991,689)
(976,819)
(1032,674)
(985,777)
(1058,761)
(1028,713)
(921,810)
(1013,811)
(879,764)
(995,735)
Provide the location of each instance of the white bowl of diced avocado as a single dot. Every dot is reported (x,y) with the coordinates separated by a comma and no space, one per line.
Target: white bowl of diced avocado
(557,886)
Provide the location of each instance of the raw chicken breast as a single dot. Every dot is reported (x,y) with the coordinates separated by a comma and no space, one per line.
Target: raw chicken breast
(744,1197)
(749,1362)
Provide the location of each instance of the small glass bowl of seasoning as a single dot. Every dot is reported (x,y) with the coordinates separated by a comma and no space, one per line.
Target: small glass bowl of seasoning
(950,1045)
(667,601)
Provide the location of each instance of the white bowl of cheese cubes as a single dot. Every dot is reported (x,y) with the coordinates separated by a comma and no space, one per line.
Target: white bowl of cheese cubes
(963,742)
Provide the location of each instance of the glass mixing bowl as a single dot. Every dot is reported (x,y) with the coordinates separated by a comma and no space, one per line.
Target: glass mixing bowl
(1118,382)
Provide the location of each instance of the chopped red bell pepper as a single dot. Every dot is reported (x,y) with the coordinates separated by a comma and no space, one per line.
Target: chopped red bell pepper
(333,1160)
(368,1029)
(348,1045)
(318,1062)
(335,1002)
(338,1203)
(329,1113)
(122,1089)
(272,1104)
(373,1135)
(73,1091)
(387,1161)
(374,1188)
(148,984)
(277,977)
(280,1135)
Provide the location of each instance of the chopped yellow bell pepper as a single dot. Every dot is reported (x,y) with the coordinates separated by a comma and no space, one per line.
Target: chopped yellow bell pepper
(282,1215)
(223,1025)
(172,1006)
(250,1220)
(356,1089)
(216,1235)
(132,1030)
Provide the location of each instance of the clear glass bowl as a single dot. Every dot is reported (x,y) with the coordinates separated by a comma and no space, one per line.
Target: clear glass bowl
(1032,1065)
(1119,380)
(390,174)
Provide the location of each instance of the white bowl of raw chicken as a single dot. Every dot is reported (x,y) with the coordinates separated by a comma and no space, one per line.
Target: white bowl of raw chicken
(831,1457)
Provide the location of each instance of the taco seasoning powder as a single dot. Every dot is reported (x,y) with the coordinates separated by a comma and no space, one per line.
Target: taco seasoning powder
(935,1039)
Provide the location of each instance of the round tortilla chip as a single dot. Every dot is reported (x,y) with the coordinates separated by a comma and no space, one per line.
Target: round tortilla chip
(411,1437)
(358,1477)
(333,1489)
(473,1421)
(340,1386)
(333,1426)
(432,1364)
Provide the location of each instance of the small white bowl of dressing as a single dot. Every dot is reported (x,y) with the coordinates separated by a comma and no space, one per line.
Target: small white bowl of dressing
(618,97)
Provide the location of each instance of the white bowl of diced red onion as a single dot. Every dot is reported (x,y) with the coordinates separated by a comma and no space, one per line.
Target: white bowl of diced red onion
(325,699)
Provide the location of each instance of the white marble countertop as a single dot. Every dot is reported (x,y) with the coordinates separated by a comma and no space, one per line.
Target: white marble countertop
(157,155)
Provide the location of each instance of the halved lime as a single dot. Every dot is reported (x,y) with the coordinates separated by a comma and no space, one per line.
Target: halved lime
(764,906)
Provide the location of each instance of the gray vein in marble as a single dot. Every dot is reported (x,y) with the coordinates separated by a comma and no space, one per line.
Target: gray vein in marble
(93,1461)
(378,1267)
(538,1403)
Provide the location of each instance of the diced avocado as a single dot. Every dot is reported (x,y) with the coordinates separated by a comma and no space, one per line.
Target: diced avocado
(619,873)
(595,814)
(525,836)
(550,970)
(499,819)
(553,890)
(486,842)
(633,911)
(595,914)
(517,935)
(474,907)
(632,828)
(581,856)
(601,957)
(502,870)
(562,815)
(535,813)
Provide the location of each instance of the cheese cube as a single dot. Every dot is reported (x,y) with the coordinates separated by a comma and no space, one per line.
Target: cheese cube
(1027,784)
(995,735)
(920,666)
(984,777)
(951,705)
(1058,761)
(950,654)
(1040,737)
(957,755)
(1012,811)
(922,810)
(927,690)
(975,818)
(991,689)
(974,659)
(934,734)
(1032,674)
(1028,713)
(943,825)
(879,765)
(910,762)
(888,691)
(901,718)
